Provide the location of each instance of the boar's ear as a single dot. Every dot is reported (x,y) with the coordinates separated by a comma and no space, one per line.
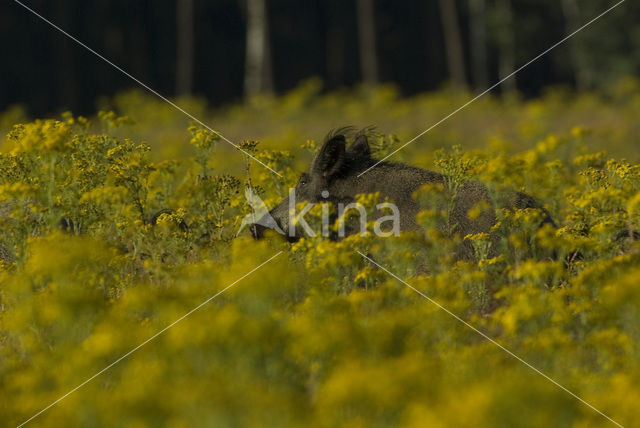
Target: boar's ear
(360,147)
(331,156)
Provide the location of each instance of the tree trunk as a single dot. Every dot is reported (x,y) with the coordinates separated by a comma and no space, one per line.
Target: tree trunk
(258,77)
(506,44)
(184,53)
(478,43)
(367,41)
(453,43)
(579,57)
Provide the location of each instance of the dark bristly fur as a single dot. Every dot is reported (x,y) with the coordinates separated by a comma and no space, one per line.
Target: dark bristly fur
(335,168)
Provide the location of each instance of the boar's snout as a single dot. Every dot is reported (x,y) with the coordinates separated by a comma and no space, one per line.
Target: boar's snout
(257,231)
(273,220)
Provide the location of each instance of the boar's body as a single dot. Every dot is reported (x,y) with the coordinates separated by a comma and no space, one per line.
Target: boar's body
(335,171)
(397,182)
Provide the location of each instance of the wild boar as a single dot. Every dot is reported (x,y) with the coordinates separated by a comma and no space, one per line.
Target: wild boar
(333,177)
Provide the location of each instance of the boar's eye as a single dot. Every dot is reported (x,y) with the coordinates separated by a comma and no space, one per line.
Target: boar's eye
(303,180)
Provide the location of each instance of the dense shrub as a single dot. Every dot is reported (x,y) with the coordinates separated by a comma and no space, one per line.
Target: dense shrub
(319,336)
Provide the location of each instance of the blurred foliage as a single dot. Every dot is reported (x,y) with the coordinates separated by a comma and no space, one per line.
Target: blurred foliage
(104,243)
(509,123)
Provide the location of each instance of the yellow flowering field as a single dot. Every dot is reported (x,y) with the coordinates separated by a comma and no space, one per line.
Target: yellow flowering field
(106,240)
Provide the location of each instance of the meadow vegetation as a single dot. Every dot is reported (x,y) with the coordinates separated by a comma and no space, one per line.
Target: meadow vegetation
(93,263)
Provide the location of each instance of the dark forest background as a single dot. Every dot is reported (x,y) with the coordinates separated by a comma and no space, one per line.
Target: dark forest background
(225,50)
